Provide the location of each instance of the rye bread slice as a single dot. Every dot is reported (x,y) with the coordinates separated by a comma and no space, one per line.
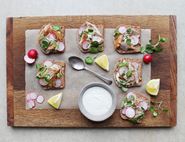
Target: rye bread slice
(99,27)
(51,85)
(139,70)
(135,48)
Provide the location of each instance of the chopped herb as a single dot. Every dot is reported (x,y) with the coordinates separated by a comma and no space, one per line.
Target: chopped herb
(123,64)
(56,28)
(90,30)
(59,75)
(129,103)
(116,33)
(124,89)
(44,43)
(129,30)
(93,50)
(129,73)
(47,77)
(89,60)
(123,82)
(38,66)
(128,41)
(94,44)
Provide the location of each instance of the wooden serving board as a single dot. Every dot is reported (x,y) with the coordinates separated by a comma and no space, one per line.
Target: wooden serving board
(164,66)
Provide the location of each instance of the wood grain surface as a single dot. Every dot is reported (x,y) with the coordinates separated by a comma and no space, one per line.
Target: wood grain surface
(164,66)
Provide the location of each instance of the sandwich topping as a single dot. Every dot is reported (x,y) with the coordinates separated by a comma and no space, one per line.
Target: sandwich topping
(128,73)
(90,38)
(133,107)
(50,74)
(127,39)
(51,39)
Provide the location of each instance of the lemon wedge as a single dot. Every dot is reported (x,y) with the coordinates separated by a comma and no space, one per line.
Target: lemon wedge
(152,87)
(103,62)
(55,101)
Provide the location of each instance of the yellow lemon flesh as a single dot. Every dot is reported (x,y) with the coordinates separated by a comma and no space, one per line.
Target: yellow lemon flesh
(103,62)
(55,101)
(152,87)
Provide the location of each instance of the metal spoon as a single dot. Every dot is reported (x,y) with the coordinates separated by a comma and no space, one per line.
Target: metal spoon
(78,64)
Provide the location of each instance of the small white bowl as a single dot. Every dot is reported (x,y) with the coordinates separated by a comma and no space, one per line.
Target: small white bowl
(97,118)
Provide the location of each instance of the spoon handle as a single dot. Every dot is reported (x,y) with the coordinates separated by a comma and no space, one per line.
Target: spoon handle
(106,80)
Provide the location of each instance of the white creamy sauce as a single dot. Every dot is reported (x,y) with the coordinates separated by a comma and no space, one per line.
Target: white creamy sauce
(97,101)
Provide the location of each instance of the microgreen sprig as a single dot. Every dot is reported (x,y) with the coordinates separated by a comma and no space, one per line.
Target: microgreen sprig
(152,48)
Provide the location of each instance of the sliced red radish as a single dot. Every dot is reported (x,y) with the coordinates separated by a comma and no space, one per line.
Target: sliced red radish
(131,95)
(61,46)
(134,40)
(33,95)
(31,104)
(28,60)
(123,111)
(40,99)
(58,83)
(48,63)
(130,112)
(85,45)
(122,29)
(97,38)
(51,37)
(143,105)
(43,82)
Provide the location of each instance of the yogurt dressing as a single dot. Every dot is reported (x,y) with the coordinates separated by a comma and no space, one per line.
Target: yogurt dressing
(97,101)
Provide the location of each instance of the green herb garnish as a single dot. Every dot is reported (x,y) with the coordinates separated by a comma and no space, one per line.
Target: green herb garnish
(152,48)
(94,44)
(44,43)
(129,73)
(56,28)
(128,42)
(116,33)
(90,30)
(123,64)
(124,89)
(47,77)
(89,60)
(59,75)
(157,108)
(129,30)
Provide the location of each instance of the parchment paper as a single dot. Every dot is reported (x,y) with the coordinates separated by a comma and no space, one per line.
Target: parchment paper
(76,80)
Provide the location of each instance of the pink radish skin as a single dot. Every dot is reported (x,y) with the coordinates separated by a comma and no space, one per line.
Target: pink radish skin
(130,112)
(85,45)
(123,111)
(61,47)
(122,29)
(28,60)
(33,96)
(51,37)
(31,104)
(143,105)
(40,99)
(48,63)
(58,83)
(42,82)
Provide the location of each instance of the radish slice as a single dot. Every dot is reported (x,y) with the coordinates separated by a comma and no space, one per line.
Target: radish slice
(33,95)
(55,67)
(43,82)
(85,45)
(131,95)
(31,104)
(143,105)
(122,29)
(130,112)
(97,38)
(134,40)
(123,111)
(61,46)
(48,63)
(51,37)
(40,99)
(58,83)
(28,60)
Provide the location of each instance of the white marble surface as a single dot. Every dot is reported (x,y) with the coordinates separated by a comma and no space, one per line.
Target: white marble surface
(93,7)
